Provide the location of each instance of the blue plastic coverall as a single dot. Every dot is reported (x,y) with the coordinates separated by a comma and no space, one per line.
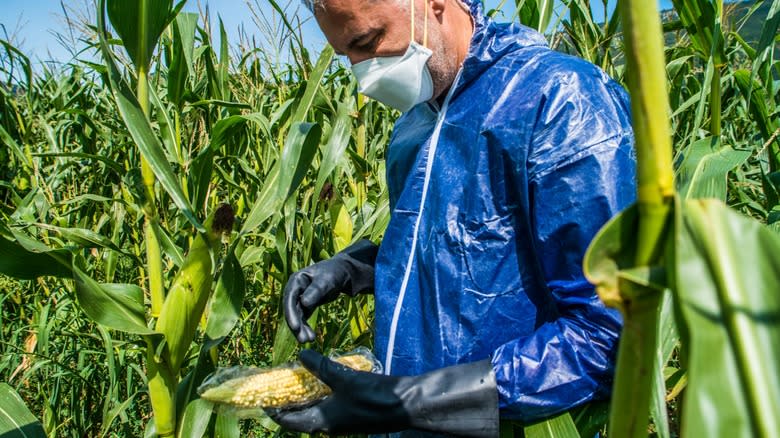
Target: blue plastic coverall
(483,253)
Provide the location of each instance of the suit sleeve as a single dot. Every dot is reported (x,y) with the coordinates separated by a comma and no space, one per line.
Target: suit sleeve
(581,172)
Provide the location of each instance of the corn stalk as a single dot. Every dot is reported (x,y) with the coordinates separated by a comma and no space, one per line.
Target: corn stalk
(140,25)
(632,285)
(646,77)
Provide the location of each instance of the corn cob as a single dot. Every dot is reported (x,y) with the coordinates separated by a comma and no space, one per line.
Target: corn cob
(183,307)
(162,391)
(281,387)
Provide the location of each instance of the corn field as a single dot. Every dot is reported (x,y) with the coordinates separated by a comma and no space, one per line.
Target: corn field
(155,201)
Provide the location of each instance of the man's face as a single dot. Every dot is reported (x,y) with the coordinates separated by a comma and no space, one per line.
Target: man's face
(365,29)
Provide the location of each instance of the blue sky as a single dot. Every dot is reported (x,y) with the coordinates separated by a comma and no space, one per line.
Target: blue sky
(34,23)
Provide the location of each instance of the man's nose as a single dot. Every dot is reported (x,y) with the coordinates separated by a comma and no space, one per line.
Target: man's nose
(355,58)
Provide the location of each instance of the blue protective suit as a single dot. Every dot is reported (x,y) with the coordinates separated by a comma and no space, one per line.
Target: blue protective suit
(482,256)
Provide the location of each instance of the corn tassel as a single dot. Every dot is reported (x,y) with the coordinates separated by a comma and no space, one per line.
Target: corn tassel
(191,288)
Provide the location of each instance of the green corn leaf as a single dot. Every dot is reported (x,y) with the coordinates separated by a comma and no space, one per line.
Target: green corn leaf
(221,135)
(221,103)
(187,24)
(375,225)
(342,227)
(252,255)
(107,161)
(300,148)
(196,419)
(191,411)
(609,261)
(610,264)
(292,30)
(591,418)
(760,112)
(116,306)
(167,129)
(727,272)
(117,224)
(359,326)
(182,69)
(212,76)
(337,143)
(6,138)
(287,173)
(28,265)
(225,128)
(85,238)
(528,12)
(33,208)
(166,243)
(773,219)
(227,426)
(16,420)
(118,411)
(561,426)
(313,84)
(266,203)
(141,130)
(771,185)
(285,342)
(228,299)
(545,13)
(766,42)
(667,335)
(28,259)
(283,111)
(24,60)
(701,19)
(139,23)
(223,69)
(704,93)
(749,51)
(704,169)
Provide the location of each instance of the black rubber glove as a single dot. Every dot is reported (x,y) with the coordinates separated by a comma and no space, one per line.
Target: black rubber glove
(350,272)
(459,400)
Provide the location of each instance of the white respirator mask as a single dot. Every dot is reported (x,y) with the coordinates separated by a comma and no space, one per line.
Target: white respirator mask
(398,81)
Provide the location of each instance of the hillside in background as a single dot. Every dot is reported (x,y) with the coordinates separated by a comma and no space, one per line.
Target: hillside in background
(750,29)
(737,17)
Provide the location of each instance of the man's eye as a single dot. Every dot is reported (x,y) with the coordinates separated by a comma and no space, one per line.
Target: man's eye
(370,45)
(367,47)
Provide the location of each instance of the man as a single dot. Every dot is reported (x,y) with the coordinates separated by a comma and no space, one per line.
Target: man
(507,160)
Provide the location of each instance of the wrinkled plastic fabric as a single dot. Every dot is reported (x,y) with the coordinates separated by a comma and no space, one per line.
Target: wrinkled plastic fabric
(535,154)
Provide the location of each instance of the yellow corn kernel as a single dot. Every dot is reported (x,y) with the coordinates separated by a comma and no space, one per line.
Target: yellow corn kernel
(278,387)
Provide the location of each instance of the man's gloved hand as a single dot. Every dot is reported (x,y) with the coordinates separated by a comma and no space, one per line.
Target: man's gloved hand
(459,400)
(351,272)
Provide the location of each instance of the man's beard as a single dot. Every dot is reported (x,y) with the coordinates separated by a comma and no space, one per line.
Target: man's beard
(442,64)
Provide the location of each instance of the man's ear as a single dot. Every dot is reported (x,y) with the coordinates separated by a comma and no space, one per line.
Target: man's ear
(437,6)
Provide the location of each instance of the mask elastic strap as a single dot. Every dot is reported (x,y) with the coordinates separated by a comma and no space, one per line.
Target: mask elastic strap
(425,23)
(425,26)
(411,11)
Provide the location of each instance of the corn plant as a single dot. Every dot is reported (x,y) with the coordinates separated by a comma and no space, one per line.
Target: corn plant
(596,42)
(168,155)
(688,247)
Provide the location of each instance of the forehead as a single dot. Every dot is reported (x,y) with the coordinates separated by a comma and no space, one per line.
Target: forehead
(339,20)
